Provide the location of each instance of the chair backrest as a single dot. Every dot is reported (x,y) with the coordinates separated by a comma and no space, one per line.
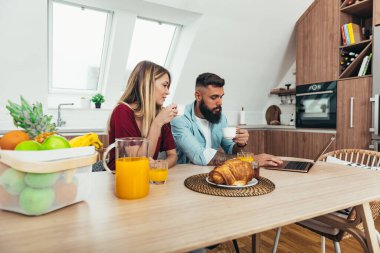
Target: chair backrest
(365,157)
(368,158)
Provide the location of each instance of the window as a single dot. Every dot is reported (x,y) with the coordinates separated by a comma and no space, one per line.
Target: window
(152,41)
(78,45)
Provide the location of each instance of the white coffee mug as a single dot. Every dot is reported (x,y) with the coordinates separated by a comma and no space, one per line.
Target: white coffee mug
(180,109)
(229,132)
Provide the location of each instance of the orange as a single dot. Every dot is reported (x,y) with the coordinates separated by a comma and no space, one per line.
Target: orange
(12,138)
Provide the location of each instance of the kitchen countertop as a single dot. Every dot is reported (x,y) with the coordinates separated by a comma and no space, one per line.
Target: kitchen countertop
(101,130)
(286,128)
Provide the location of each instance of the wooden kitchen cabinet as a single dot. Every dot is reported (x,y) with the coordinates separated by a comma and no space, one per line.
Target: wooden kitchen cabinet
(256,141)
(297,144)
(317,42)
(353,125)
(376,12)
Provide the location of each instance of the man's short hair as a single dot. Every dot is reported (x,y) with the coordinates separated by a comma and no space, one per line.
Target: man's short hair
(205,79)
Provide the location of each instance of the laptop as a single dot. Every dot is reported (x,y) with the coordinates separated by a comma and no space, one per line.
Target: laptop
(298,166)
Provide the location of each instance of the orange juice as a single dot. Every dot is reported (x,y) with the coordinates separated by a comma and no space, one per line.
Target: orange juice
(132,177)
(246,159)
(158,174)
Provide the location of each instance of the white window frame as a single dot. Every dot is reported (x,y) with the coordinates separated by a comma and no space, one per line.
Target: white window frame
(174,41)
(104,56)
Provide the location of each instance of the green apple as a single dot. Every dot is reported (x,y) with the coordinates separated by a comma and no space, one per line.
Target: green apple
(36,201)
(28,145)
(41,180)
(55,142)
(12,181)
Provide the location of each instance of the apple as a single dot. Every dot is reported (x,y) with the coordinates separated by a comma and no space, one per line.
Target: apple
(7,200)
(41,180)
(65,192)
(28,145)
(36,201)
(55,142)
(12,181)
(3,168)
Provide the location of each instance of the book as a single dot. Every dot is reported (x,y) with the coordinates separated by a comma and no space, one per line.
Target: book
(343,35)
(366,64)
(362,65)
(346,34)
(354,33)
(350,33)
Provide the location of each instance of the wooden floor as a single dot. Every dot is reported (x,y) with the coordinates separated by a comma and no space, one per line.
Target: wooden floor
(294,239)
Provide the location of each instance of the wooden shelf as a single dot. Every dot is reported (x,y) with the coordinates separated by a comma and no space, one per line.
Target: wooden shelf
(362,8)
(283,92)
(353,69)
(357,46)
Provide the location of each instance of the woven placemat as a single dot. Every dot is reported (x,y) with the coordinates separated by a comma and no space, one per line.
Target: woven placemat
(198,183)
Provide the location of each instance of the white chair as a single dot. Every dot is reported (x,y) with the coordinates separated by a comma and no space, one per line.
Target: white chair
(343,224)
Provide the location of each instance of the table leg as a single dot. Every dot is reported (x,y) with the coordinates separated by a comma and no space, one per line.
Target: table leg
(369,227)
(255,243)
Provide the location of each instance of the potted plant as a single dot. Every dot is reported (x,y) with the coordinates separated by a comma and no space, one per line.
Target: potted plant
(98,99)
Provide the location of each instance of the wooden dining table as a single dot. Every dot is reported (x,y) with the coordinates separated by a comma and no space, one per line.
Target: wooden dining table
(173,218)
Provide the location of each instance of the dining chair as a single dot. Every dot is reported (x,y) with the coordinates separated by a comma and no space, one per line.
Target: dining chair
(343,224)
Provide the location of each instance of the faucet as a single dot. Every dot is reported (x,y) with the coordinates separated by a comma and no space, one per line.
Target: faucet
(60,122)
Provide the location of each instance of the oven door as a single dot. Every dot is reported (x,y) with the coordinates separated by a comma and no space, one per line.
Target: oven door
(316,109)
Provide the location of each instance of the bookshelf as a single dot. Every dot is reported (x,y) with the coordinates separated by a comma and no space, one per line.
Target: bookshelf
(360,13)
(359,8)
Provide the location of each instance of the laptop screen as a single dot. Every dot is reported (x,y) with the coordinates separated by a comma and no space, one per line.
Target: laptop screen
(324,148)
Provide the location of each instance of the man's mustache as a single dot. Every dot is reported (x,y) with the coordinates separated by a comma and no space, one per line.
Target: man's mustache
(216,108)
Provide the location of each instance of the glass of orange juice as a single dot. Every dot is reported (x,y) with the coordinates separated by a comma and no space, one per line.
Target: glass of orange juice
(131,167)
(158,173)
(249,157)
(245,156)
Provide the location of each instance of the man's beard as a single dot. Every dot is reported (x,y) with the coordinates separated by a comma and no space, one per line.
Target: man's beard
(212,115)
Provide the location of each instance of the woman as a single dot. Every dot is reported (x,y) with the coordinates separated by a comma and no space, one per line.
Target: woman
(139,112)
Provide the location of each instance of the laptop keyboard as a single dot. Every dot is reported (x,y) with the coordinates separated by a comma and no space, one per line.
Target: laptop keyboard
(297,165)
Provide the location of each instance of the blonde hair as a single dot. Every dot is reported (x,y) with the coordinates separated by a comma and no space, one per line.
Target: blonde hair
(139,93)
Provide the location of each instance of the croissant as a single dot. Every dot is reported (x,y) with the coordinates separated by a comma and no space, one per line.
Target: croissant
(232,172)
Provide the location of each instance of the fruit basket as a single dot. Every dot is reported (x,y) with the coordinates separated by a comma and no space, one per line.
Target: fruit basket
(38,182)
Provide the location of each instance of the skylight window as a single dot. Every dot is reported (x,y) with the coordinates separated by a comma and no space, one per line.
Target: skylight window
(152,41)
(78,45)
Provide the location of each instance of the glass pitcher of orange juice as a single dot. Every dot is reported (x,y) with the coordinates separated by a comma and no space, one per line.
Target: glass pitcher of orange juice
(131,167)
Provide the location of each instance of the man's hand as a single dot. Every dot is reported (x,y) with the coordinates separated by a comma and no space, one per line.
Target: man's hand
(241,138)
(267,160)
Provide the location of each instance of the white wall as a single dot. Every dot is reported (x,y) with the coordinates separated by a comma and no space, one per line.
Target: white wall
(249,43)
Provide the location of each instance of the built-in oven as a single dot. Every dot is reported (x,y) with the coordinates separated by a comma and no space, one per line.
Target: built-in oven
(316,105)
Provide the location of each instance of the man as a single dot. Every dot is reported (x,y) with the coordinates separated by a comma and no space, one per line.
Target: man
(198,133)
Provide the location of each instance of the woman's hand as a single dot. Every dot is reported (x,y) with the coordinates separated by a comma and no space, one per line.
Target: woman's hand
(166,114)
